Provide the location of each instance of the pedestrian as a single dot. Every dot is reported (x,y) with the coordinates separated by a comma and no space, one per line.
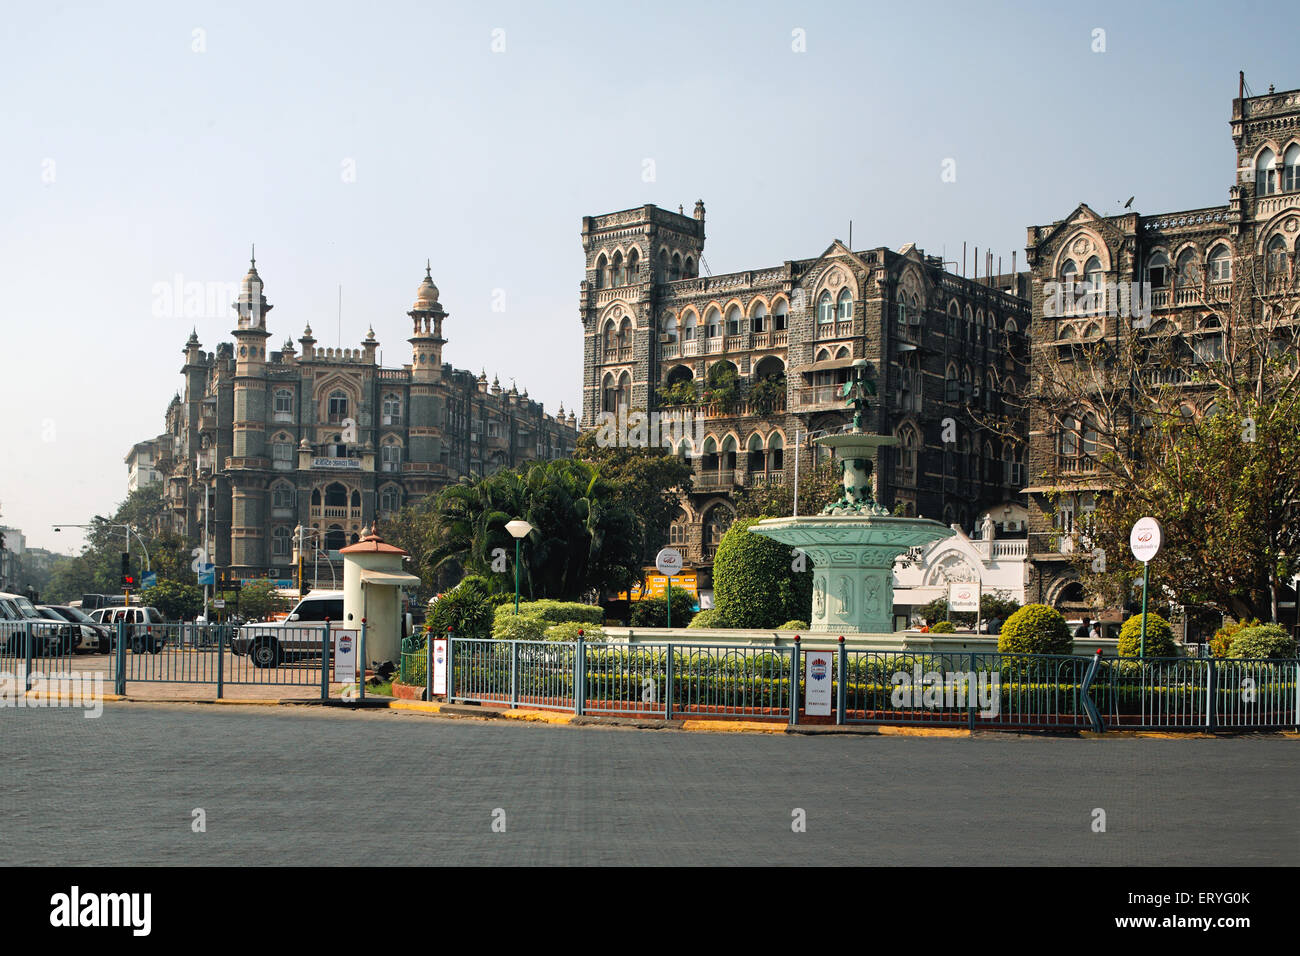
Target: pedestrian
(1082,629)
(1093,632)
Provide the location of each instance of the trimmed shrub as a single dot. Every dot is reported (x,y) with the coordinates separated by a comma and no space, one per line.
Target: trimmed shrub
(568,631)
(553,612)
(1160,637)
(654,612)
(794,626)
(521,628)
(1264,640)
(465,609)
(1221,643)
(709,618)
(1035,629)
(943,627)
(753,583)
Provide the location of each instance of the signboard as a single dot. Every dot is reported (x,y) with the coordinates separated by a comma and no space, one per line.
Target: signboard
(440,666)
(219,603)
(817,669)
(337,464)
(963,596)
(1145,538)
(208,574)
(345,656)
(669,561)
(149,580)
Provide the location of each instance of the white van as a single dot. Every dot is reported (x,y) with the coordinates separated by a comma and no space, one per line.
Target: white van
(298,635)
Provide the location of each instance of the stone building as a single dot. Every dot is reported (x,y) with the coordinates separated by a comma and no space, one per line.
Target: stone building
(326,439)
(757,359)
(1195,268)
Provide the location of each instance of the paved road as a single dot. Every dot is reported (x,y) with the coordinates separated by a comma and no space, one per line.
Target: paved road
(307,786)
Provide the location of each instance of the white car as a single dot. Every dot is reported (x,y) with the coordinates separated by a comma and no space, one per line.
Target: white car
(301,634)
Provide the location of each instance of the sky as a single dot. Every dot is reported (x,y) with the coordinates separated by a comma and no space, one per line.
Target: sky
(150,144)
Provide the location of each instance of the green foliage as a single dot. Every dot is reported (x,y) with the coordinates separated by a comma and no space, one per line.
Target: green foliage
(795,625)
(710,617)
(653,612)
(258,601)
(1265,640)
(766,394)
(568,631)
(818,486)
(992,604)
(722,386)
(1160,637)
(553,612)
(176,600)
(753,583)
(1221,643)
(943,627)
(685,392)
(521,628)
(465,609)
(936,610)
(1035,629)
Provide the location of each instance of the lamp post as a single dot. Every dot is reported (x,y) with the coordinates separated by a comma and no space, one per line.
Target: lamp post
(518,529)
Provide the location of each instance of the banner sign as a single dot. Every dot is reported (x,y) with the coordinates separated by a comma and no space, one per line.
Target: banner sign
(817,670)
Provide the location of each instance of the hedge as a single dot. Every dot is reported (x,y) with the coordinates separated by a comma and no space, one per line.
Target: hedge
(568,631)
(653,612)
(754,583)
(1035,629)
(712,617)
(1265,640)
(553,612)
(795,625)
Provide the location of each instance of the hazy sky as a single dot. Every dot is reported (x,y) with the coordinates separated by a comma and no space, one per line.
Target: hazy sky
(144,142)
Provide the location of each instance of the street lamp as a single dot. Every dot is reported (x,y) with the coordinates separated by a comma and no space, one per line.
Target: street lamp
(518,529)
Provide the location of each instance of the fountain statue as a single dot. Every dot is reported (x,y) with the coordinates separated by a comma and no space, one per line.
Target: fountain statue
(854,541)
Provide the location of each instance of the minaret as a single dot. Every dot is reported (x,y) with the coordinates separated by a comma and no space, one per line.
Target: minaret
(248,446)
(427,341)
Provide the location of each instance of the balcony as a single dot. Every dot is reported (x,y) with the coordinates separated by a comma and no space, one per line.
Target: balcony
(737,343)
(338,513)
(713,345)
(669,350)
(770,340)
(820,396)
(691,347)
(759,478)
(715,480)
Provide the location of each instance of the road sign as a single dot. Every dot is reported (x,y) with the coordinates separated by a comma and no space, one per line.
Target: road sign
(1145,538)
(817,667)
(669,561)
(208,574)
(963,596)
(149,580)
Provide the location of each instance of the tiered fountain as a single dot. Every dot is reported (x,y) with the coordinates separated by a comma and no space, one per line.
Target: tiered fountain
(854,542)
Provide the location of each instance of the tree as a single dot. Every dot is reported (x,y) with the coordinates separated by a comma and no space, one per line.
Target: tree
(415,530)
(175,599)
(819,485)
(649,481)
(754,581)
(1198,427)
(992,604)
(258,601)
(653,612)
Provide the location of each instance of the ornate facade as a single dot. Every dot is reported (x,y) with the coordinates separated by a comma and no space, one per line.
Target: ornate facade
(326,439)
(761,357)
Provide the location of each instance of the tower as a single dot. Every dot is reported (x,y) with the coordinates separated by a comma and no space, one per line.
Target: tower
(425,434)
(248,454)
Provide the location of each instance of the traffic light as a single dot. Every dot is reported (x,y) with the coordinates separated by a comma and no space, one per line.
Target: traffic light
(128,579)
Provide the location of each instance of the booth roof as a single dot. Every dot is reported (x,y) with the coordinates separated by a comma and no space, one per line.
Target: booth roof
(371,544)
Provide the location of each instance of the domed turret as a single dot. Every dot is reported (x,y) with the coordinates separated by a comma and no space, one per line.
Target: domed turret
(251,306)
(426,297)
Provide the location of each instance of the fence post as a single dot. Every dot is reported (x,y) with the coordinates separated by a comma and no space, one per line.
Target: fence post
(451,665)
(1210,690)
(325,662)
(428,666)
(579,674)
(514,674)
(361,664)
(119,660)
(27,640)
(970,694)
(842,690)
(794,682)
(668,687)
(221,660)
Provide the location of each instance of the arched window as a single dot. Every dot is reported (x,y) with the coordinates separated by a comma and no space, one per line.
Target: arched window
(663,265)
(601,265)
(390,455)
(756,461)
(336,496)
(688,268)
(1291,168)
(905,468)
(1275,258)
(676,270)
(688,327)
(1069,271)
(625,333)
(1092,271)
(677,530)
(758,321)
(779,315)
(283,405)
(844,305)
(1265,181)
(392,409)
(954,319)
(775,452)
(625,390)
(1188,273)
(609,393)
(713,323)
(710,453)
(825,310)
(1158,270)
(951,385)
(716,524)
(618,270)
(390,499)
(668,327)
(335,538)
(1220,264)
(282,496)
(733,320)
(611,336)
(633,260)
(282,453)
(338,406)
(280,542)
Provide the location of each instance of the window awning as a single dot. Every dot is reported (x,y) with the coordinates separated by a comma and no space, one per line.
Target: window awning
(826,364)
(396,579)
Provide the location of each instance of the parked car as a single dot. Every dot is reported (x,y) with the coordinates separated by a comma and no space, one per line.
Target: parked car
(90,632)
(300,634)
(145,628)
(16,610)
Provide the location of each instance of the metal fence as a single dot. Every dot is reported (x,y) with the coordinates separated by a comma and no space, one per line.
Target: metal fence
(979,690)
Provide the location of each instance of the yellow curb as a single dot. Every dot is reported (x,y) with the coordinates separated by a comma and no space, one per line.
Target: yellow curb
(41,695)
(536,716)
(888,731)
(424,706)
(734,726)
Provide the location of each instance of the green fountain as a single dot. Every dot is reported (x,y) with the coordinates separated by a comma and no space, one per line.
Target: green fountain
(854,542)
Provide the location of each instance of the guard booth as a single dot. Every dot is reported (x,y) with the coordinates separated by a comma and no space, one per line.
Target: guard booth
(373,579)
